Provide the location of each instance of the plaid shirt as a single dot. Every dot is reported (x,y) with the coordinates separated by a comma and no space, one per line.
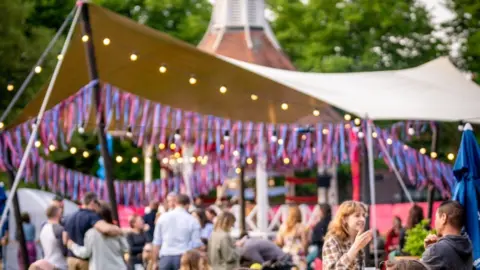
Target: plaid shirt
(334,255)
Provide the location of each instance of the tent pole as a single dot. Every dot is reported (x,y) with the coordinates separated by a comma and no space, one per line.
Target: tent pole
(371,174)
(17,214)
(365,187)
(243,229)
(93,73)
(431,187)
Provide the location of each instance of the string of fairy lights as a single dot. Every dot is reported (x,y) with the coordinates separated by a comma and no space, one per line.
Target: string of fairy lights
(192,79)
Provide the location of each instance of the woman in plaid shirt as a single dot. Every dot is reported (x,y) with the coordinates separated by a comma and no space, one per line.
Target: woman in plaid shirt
(345,238)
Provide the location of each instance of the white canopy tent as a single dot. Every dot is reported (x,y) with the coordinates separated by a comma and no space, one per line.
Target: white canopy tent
(436,90)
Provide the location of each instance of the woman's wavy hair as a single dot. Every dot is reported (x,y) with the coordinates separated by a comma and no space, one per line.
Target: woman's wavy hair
(225,222)
(294,217)
(338,226)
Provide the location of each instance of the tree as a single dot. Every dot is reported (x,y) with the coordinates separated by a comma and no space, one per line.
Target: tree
(365,35)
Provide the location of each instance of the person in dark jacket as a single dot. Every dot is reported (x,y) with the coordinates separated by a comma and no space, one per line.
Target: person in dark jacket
(137,239)
(149,219)
(320,229)
(449,249)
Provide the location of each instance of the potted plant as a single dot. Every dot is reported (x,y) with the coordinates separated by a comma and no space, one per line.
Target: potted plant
(414,240)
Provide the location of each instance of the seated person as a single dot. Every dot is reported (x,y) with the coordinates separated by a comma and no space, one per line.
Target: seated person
(449,249)
(260,251)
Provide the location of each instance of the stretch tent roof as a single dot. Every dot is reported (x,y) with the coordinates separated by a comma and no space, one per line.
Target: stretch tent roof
(142,77)
(436,90)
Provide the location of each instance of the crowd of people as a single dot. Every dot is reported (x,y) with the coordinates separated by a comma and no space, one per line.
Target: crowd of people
(185,236)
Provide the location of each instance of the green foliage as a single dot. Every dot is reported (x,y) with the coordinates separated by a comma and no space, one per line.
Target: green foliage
(414,239)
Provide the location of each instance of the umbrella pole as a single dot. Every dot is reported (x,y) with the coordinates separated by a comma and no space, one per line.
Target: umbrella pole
(93,73)
(17,214)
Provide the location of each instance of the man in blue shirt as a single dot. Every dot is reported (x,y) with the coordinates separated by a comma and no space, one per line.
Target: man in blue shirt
(77,224)
(149,219)
(176,232)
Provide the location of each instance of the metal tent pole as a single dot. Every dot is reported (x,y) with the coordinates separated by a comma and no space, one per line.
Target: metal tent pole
(243,229)
(431,188)
(93,73)
(371,174)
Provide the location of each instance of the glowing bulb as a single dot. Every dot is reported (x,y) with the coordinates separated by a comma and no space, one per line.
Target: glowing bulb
(280,141)
(405,147)
(235,153)
(192,160)
(360,134)
(148,160)
(133,57)
(433,155)
(223,89)
(304,137)
(165,160)
(357,121)
(389,141)
(451,156)
(411,131)
(73,150)
(192,80)
(10,87)
(374,134)
(162,69)
(274,137)
(59,57)
(86,154)
(325,131)
(2,125)
(85,38)
(204,162)
(284,106)
(180,160)
(176,155)
(134,160)
(249,161)
(423,151)
(171,162)
(253,97)
(129,134)
(161,146)
(81,130)
(286,160)
(316,112)
(106,41)
(119,159)
(460,127)
(38,144)
(347,117)
(173,146)
(38,69)
(238,170)
(52,147)
(271,182)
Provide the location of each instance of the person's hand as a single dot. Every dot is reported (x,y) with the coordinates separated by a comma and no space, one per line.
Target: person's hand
(430,239)
(146,227)
(361,240)
(154,265)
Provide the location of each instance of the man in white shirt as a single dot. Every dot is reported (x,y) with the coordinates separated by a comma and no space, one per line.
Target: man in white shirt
(176,232)
(51,239)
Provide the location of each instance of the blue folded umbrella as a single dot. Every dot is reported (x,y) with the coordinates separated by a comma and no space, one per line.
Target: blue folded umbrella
(467,187)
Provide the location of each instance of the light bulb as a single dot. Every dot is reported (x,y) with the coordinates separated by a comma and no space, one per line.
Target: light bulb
(360,134)
(192,80)
(274,137)
(161,146)
(38,144)
(357,121)
(347,117)
(134,160)
(10,87)
(284,106)
(86,154)
(460,127)
(73,150)
(133,57)
(271,182)
(286,160)
(280,142)
(316,112)
(433,155)
(423,151)
(119,159)
(236,153)
(106,41)
(148,160)
(162,69)
(129,134)
(324,131)
(451,156)
(226,137)
(165,160)
(249,161)
(38,69)
(59,57)
(223,89)
(176,155)
(238,170)
(2,125)
(411,131)
(81,130)
(52,147)
(192,160)
(304,137)
(253,97)
(173,146)
(374,134)
(405,147)
(177,135)
(85,38)
(389,141)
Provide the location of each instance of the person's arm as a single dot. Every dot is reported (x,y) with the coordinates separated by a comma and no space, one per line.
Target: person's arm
(279,239)
(228,249)
(195,240)
(157,242)
(333,259)
(108,229)
(84,251)
(434,257)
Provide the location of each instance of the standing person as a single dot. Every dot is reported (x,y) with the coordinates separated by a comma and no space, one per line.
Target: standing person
(415,216)
(449,249)
(176,232)
(292,236)
(51,239)
(104,252)
(206,227)
(137,239)
(320,229)
(392,241)
(77,224)
(30,234)
(211,215)
(222,253)
(149,218)
(345,240)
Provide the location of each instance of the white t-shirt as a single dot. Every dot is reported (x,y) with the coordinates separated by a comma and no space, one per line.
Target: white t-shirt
(53,249)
